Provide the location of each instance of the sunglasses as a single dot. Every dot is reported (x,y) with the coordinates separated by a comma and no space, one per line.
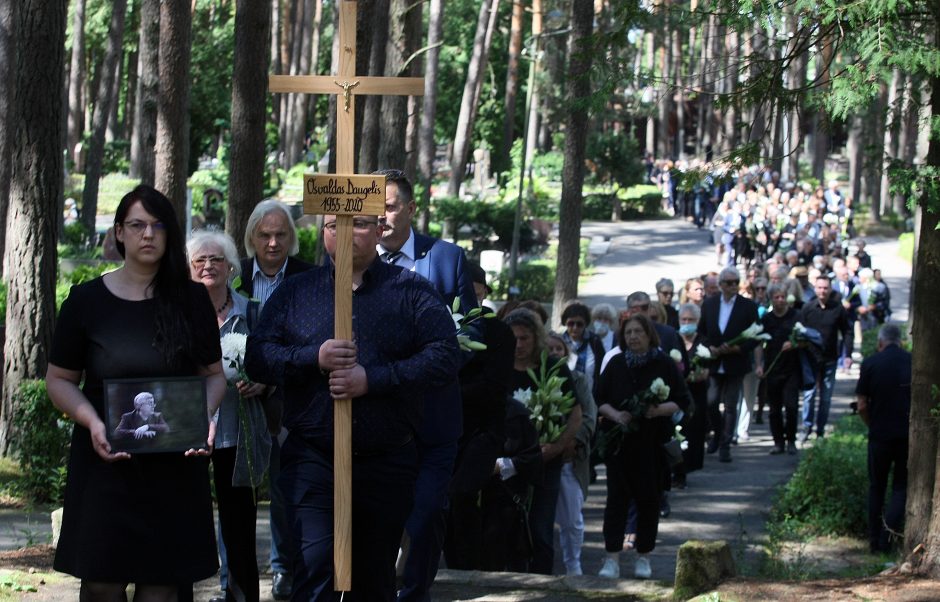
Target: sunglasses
(574,324)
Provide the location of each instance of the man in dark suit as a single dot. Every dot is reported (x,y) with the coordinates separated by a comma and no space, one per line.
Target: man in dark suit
(444,264)
(143,422)
(884,403)
(724,317)
(271,243)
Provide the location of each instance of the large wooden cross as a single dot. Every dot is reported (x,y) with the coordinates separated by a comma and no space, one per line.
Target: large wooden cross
(344,195)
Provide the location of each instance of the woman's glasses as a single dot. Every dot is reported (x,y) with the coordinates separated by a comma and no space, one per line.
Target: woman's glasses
(202,260)
(138,227)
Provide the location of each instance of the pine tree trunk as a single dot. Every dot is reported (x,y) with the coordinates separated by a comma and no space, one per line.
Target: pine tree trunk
(130,97)
(172,148)
(113,131)
(874,152)
(7,107)
(462,137)
(892,121)
(371,130)
(665,134)
(856,157)
(512,80)
(317,33)
(35,192)
(487,45)
(581,49)
(297,127)
(144,141)
(403,40)
(276,65)
(76,121)
(426,144)
(249,113)
(99,122)
(922,520)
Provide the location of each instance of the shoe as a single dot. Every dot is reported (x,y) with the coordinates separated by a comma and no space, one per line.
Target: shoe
(217,598)
(791,448)
(777,450)
(574,571)
(281,586)
(734,441)
(804,437)
(610,570)
(664,507)
(642,570)
(712,446)
(679,482)
(744,437)
(724,455)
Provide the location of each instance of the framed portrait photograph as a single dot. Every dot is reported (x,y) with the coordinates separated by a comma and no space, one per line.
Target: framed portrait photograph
(156,415)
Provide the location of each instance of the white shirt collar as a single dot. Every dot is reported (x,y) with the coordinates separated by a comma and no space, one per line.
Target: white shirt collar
(407,249)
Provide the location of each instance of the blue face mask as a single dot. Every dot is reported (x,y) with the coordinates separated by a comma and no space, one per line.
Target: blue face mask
(600,328)
(688,329)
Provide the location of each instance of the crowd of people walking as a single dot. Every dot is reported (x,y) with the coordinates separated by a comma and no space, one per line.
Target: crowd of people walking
(472,451)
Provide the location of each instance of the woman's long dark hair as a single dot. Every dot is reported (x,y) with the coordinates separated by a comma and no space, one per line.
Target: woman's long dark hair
(170,286)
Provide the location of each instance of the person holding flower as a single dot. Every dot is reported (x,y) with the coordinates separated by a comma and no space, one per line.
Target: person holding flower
(637,395)
(779,366)
(528,361)
(147,518)
(693,457)
(243,444)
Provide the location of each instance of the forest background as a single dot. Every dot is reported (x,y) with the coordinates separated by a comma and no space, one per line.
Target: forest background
(558,99)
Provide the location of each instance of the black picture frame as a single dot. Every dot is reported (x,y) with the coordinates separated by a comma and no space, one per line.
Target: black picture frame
(176,422)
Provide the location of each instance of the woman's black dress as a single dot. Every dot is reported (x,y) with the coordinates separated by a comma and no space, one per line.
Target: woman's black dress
(147,519)
(636,471)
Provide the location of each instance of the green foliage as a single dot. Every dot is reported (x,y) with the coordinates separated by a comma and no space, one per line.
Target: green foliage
(214,178)
(637,202)
(486,219)
(535,280)
(3,302)
(906,246)
(76,242)
(549,165)
(614,159)
(213,51)
(81,273)
(116,157)
(40,443)
(307,239)
(825,496)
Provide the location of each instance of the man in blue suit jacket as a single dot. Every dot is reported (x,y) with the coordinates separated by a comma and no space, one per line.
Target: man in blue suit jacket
(444,264)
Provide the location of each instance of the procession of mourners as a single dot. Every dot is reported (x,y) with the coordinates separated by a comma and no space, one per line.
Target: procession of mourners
(477,428)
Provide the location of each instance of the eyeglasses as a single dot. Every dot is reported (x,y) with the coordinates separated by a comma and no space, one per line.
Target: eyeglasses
(667,293)
(202,260)
(760,288)
(358,224)
(138,227)
(574,324)
(731,282)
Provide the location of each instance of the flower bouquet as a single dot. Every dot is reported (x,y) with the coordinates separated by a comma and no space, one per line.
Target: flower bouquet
(233,365)
(753,332)
(548,404)
(463,325)
(700,358)
(637,406)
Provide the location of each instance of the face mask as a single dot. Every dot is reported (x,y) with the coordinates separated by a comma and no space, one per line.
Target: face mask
(688,329)
(600,328)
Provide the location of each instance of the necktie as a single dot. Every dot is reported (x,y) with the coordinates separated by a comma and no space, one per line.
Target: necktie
(391,258)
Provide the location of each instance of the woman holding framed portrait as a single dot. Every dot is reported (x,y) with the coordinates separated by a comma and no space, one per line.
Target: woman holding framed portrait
(137,518)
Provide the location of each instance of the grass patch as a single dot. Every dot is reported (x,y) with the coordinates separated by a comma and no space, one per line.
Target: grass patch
(906,247)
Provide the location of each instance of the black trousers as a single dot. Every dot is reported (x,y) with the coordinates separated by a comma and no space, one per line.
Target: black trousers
(237,517)
(783,394)
(882,457)
(632,478)
(382,496)
(725,390)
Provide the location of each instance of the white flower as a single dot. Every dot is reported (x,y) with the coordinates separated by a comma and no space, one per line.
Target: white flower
(523,396)
(703,352)
(233,354)
(458,318)
(791,299)
(799,328)
(675,355)
(660,389)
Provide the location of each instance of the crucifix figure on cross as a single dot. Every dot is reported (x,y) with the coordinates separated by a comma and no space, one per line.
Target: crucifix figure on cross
(345,195)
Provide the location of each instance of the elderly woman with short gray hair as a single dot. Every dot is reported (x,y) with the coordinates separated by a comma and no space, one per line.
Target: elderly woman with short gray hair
(242,441)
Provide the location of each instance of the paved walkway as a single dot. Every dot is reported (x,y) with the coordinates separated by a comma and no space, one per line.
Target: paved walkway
(722,501)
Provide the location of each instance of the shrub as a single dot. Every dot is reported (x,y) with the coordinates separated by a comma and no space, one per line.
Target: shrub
(534,279)
(81,273)
(827,495)
(40,443)
(870,340)
(307,239)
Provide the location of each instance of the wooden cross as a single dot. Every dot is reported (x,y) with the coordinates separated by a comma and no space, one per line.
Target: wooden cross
(344,195)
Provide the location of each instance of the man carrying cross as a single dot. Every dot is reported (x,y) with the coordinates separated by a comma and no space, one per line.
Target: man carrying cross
(403,344)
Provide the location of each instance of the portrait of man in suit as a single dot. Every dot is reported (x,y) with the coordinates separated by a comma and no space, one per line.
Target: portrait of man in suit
(144,422)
